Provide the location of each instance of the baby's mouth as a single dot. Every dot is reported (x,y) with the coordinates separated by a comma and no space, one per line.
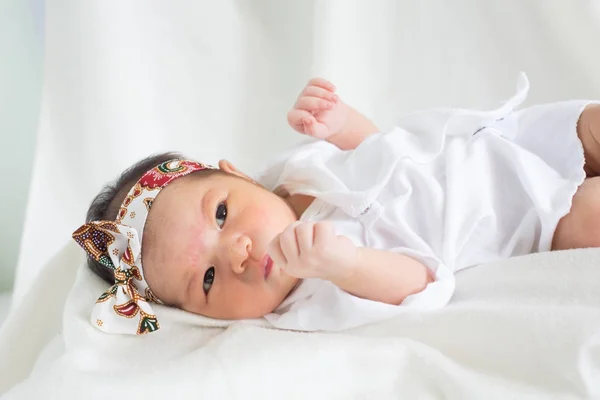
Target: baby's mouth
(267,265)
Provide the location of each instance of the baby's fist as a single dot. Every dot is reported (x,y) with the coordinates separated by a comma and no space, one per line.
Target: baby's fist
(318,112)
(313,250)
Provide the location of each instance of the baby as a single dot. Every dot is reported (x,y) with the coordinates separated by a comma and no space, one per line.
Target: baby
(343,231)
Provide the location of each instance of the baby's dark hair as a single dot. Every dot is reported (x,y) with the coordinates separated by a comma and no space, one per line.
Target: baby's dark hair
(106,204)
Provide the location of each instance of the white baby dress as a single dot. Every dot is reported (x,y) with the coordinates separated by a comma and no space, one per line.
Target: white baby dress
(452,188)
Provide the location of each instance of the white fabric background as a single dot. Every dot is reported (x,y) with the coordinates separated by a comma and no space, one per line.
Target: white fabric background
(215,78)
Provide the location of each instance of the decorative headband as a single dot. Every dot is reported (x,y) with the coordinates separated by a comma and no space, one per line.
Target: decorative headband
(125,307)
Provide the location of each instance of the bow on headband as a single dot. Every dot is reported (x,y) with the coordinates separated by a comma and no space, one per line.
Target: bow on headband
(125,307)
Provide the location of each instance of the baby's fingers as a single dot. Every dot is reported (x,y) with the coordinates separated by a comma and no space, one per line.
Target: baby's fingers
(315,129)
(315,91)
(304,236)
(313,104)
(324,233)
(297,118)
(322,83)
(275,252)
(288,243)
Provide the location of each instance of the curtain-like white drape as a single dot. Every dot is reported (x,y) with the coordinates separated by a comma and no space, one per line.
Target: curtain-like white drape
(20,93)
(215,79)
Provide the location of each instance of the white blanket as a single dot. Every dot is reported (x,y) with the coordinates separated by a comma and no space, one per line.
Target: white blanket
(524,328)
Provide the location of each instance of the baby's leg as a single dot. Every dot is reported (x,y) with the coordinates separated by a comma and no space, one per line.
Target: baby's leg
(580,228)
(588,130)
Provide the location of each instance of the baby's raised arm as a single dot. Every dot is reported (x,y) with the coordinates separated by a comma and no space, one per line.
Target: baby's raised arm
(320,113)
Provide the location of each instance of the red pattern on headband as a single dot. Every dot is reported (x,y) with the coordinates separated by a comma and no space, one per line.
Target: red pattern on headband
(163,174)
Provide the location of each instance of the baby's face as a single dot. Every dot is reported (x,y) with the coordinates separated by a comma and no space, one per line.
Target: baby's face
(205,247)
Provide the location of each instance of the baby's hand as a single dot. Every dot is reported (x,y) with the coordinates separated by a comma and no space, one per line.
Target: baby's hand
(318,112)
(313,250)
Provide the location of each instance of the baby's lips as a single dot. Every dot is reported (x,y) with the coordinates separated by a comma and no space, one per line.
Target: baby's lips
(267,265)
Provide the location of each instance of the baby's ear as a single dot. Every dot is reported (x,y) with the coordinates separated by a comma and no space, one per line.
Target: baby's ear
(228,167)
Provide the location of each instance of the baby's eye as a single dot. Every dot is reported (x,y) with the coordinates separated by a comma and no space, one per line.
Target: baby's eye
(209,277)
(221,214)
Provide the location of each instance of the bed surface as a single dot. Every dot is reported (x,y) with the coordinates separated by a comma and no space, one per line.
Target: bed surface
(523,328)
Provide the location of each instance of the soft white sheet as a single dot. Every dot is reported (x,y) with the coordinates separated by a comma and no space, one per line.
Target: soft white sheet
(524,328)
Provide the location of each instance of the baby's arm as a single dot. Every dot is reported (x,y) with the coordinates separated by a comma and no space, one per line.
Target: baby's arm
(384,276)
(313,250)
(356,129)
(320,113)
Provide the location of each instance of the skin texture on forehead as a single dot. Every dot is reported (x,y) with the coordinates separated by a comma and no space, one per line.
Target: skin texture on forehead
(196,247)
(155,221)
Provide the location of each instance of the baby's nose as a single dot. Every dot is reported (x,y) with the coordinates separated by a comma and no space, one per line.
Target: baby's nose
(240,251)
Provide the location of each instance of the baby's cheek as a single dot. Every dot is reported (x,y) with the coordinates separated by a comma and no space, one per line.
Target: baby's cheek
(262,216)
